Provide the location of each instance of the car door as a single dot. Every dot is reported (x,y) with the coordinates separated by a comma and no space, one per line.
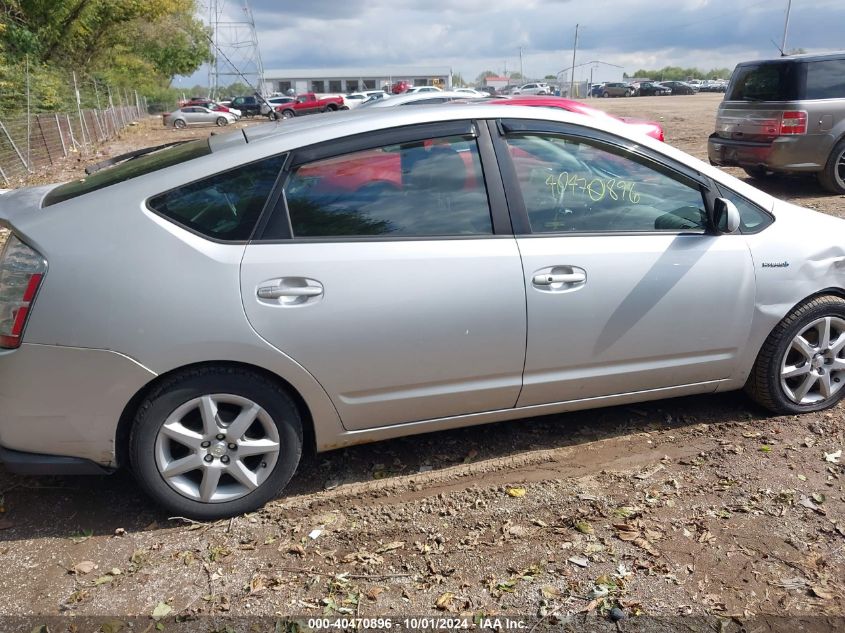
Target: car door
(627,291)
(389,271)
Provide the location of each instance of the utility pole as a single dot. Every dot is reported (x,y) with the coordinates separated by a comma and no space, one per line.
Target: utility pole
(572,74)
(785,28)
(521,71)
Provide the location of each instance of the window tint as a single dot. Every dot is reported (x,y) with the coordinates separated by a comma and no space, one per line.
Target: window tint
(752,219)
(148,163)
(826,79)
(768,81)
(425,188)
(224,206)
(570,185)
(430,101)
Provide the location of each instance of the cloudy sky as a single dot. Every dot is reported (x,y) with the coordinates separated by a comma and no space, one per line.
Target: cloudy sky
(475,35)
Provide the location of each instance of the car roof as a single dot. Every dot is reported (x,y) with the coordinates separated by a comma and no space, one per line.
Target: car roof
(417,96)
(804,57)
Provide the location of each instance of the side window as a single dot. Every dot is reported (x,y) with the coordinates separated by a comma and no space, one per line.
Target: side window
(826,79)
(225,206)
(752,219)
(574,186)
(424,188)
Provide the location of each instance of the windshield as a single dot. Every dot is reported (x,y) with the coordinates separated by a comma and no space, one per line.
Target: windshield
(765,81)
(131,168)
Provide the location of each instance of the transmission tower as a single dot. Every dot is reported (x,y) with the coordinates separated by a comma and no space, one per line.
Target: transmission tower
(237,56)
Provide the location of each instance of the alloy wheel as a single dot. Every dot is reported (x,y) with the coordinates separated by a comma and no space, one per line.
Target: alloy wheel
(839,170)
(813,367)
(217,448)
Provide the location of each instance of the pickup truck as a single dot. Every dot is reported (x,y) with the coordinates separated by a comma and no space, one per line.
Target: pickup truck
(310,103)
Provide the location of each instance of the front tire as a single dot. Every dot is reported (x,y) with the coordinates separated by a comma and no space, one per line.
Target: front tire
(832,177)
(801,366)
(288,114)
(222,121)
(215,442)
(179,124)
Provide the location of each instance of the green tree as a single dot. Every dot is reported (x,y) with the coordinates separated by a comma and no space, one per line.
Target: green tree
(137,43)
(484,75)
(457,80)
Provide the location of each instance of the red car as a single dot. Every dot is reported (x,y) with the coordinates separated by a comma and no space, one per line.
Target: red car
(399,87)
(649,128)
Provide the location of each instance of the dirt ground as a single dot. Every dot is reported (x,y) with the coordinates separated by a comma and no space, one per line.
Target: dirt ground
(701,506)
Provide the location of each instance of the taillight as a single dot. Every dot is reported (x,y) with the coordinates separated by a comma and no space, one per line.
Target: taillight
(793,122)
(21,272)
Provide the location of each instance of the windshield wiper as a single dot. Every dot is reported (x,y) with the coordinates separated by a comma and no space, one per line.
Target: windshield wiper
(114,160)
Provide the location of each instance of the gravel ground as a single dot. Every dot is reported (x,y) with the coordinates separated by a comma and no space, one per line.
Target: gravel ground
(698,507)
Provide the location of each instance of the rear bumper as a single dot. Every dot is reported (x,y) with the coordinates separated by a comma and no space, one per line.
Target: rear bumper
(39,464)
(803,153)
(65,401)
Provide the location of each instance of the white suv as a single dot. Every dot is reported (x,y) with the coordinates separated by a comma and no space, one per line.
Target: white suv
(534,89)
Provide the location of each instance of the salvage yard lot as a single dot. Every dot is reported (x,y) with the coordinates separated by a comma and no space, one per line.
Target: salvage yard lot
(700,505)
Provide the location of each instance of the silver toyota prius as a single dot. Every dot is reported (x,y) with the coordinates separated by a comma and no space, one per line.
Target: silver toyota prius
(203,312)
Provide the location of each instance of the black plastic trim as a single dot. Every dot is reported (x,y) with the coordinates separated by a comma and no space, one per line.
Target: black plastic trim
(493,180)
(23,463)
(513,194)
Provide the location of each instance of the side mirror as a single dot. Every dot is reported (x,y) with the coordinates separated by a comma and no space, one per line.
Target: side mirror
(724,217)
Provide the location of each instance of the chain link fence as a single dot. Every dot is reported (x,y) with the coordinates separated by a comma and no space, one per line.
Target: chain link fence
(48,116)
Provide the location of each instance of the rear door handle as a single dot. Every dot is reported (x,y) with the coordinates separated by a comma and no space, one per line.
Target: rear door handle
(547,279)
(276,292)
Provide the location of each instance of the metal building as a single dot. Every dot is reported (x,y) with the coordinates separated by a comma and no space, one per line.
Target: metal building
(345,80)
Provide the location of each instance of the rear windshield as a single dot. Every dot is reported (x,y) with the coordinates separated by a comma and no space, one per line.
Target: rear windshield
(766,81)
(131,168)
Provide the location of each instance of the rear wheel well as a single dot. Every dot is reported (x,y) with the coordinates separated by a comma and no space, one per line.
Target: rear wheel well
(127,417)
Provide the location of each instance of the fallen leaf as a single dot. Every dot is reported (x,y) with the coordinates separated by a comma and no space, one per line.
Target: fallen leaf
(471,455)
(550,592)
(580,561)
(84,567)
(833,458)
(822,593)
(296,549)
(390,547)
(626,532)
(103,580)
(444,602)
(374,592)
(162,610)
(516,492)
(584,527)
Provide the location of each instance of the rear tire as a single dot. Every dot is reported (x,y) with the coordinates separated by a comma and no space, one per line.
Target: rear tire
(801,366)
(215,442)
(832,177)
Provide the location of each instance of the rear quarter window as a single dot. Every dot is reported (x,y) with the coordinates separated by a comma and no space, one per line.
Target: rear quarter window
(826,79)
(132,168)
(225,206)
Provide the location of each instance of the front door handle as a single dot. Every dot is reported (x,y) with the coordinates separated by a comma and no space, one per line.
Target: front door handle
(547,279)
(277,292)
(289,291)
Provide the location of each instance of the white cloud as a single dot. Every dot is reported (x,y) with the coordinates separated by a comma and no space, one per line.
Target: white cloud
(475,35)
